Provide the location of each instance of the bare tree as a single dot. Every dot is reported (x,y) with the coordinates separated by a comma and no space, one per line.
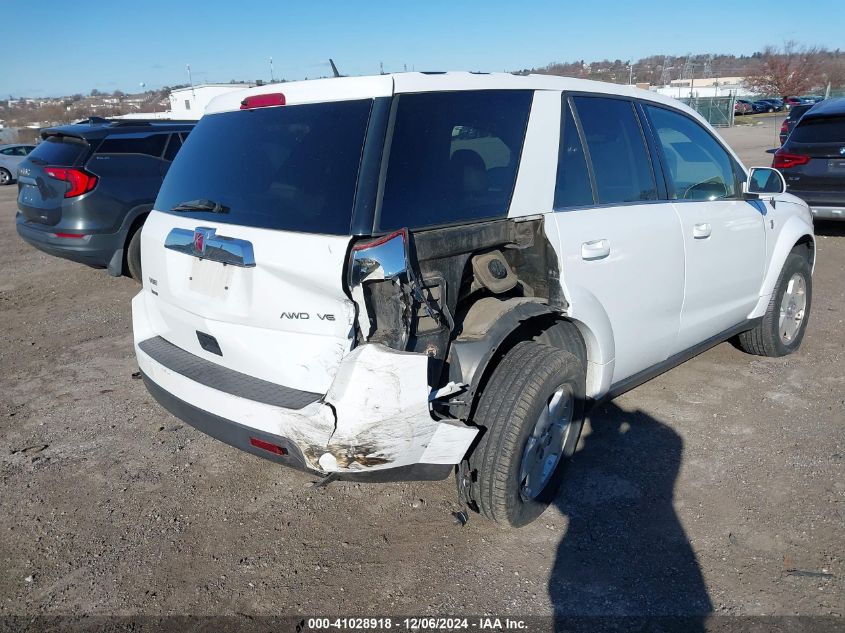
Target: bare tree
(792,70)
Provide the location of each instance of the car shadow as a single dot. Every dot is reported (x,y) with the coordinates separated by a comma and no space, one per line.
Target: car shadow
(625,552)
(829,228)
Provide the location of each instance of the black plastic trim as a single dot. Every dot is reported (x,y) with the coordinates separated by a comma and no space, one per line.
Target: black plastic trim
(369,173)
(224,379)
(617,389)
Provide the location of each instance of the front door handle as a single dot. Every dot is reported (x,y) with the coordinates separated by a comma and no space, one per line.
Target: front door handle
(701,231)
(596,249)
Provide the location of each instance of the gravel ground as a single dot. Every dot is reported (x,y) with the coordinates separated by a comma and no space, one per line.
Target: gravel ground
(716,488)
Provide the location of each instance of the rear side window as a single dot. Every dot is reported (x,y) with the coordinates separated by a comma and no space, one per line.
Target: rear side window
(453,157)
(59,150)
(699,167)
(820,130)
(148,144)
(573,187)
(620,159)
(292,168)
(173,147)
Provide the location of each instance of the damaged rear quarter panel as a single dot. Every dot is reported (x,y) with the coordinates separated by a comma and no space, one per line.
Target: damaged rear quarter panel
(381,400)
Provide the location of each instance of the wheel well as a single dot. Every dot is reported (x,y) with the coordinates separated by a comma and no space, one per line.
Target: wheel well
(551,329)
(137,223)
(806,247)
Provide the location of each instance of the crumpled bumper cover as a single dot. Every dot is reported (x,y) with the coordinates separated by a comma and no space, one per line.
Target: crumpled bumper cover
(374,417)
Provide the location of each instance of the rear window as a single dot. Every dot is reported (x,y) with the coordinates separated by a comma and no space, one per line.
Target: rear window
(59,150)
(820,130)
(453,157)
(292,168)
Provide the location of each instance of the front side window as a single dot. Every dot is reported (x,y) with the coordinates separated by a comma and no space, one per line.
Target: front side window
(618,153)
(699,167)
(573,186)
(149,144)
(453,157)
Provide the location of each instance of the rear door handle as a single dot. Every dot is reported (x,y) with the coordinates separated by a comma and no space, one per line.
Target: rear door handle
(701,231)
(596,249)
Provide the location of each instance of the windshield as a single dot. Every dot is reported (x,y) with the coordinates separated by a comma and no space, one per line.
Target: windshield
(292,168)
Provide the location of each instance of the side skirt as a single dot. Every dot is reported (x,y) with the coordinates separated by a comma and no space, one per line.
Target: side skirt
(617,389)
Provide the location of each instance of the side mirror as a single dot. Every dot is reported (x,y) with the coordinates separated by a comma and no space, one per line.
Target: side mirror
(763,180)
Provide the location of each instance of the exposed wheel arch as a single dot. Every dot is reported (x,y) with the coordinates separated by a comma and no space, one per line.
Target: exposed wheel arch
(494,329)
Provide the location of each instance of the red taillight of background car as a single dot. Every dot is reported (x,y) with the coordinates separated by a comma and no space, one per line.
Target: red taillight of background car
(784,160)
(80,181)
(263,101)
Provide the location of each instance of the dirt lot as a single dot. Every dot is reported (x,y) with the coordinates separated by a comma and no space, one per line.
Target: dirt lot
(717,487)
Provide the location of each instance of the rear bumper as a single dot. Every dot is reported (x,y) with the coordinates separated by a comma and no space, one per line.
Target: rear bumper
(373,424)
(96,250)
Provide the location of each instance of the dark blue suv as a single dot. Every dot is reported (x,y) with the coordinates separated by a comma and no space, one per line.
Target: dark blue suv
(85,190)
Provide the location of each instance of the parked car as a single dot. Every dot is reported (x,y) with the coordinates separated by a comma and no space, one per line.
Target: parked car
(86,189)
(813,159)
(405,276)
(791,120)
(743,106)
(768,105)
(11,156)
(791,102)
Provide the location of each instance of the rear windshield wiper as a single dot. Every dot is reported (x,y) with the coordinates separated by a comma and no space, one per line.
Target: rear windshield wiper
(201,205)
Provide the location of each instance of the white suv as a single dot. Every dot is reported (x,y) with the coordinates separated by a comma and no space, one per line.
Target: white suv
(403,276)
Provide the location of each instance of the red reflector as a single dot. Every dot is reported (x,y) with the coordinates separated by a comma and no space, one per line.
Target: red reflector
(785,161)
(267,446)
(382,240)
(80,181)
(77,236)
(263,101)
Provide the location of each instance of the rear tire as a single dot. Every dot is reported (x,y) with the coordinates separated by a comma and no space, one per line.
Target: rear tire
(782,328)
(5,177)
(133,256)
(531,411)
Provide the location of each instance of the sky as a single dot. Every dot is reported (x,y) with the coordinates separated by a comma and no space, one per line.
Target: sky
(53,48)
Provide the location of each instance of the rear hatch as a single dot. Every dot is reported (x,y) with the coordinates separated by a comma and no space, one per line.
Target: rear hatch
(245,255)
(40,195)
(817,146)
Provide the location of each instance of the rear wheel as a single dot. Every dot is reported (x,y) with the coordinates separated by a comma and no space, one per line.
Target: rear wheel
(133,256)
(5,177)
(531,411)
(782,328)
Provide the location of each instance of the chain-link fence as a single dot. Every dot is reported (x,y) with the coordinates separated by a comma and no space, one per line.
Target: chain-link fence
(719,111)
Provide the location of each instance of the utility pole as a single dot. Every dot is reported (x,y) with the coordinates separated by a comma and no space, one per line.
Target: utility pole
(272,79)
(190,80)
(630,73)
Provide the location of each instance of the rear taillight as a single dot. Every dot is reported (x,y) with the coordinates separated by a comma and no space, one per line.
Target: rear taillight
(80,181)
(784,160)
(784,127)
(263,101)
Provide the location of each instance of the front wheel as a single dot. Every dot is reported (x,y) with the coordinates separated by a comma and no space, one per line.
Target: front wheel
(782,328)
(531,412)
